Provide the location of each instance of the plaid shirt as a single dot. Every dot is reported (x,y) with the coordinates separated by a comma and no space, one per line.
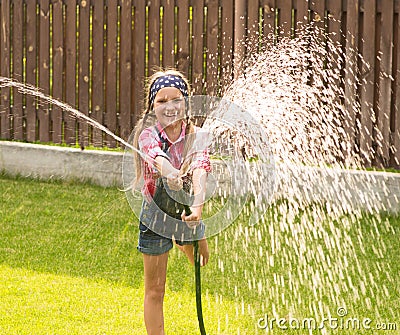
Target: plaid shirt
(150,144)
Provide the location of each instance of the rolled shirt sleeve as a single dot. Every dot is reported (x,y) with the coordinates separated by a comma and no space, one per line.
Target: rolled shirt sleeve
(201,160)
(150,146)
(200,156)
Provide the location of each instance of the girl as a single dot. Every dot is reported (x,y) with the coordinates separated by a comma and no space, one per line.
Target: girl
(165,136)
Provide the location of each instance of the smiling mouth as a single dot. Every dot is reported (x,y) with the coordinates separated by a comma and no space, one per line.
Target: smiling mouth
(174,114)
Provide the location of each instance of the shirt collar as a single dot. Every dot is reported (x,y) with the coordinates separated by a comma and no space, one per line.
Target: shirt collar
(164,135)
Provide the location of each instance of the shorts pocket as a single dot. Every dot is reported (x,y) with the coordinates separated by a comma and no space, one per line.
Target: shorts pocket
(143,228)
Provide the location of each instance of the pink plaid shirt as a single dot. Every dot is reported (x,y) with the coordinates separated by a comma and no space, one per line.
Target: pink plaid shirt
(150,145)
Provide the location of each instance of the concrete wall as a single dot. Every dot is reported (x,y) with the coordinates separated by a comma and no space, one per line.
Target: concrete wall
(44,161)
(358,188)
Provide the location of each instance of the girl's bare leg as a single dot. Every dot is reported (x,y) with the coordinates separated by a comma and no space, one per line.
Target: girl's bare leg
(155,274)
(203,251)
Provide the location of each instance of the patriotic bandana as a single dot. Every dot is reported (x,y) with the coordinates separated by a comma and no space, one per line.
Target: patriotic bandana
(169,80)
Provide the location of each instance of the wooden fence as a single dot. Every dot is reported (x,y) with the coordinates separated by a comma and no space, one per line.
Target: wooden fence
(95,56)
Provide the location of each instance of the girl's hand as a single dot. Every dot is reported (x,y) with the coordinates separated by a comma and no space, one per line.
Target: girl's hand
(192,220)
(174,181)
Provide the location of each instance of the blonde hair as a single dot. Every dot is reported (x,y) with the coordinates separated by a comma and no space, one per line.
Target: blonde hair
(148,119)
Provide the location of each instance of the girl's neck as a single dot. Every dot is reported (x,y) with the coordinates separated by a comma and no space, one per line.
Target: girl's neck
(174,131)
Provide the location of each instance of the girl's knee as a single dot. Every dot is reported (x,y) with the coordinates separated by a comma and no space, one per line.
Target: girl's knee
(155,292)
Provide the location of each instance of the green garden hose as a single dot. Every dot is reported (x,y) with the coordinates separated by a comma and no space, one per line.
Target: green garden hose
(197,280)
(198,288)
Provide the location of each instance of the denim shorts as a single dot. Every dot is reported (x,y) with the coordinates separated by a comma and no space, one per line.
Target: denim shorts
(156,231)
(151,243)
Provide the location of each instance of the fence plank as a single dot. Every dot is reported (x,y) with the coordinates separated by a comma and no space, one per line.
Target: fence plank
(17,68)
(31,50)
(44,70)
(269,27)
(368,82)
(98,70)
(318,25)
(318,15)
(302,29)
(58,60)
(252,26)
(125,94)
(139,44)
(284,17)
(352,11)
(385,81)
(197,46)
(83,71)
(5,112)
(212,47)
(239,43)
(154,35)
(168,36)
(335,33)
(182,57)
(70,71)
(335,10)
(336,50)
(111,73)
(318,20)
(396,122)
(226,43)
(302,14)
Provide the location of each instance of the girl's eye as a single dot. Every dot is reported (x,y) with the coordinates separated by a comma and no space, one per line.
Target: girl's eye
(174,101)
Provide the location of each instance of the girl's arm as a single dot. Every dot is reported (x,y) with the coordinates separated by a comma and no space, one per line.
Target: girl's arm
(164,166)
(150,146)
(199,190)
(166,169)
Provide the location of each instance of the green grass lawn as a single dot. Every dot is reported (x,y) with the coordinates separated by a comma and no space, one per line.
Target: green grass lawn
(69,265)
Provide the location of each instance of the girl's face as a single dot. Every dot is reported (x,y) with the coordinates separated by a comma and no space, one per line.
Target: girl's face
(169,106)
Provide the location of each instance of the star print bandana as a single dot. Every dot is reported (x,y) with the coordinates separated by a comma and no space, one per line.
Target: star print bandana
(169,80)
